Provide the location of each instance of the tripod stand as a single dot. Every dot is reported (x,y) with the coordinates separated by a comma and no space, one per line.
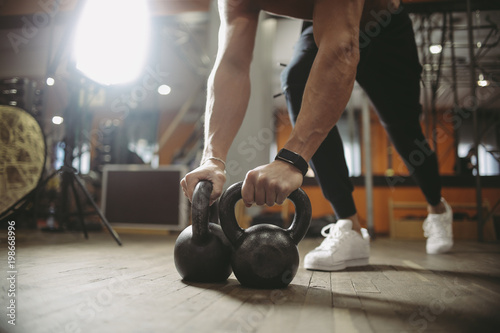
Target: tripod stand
(70,177)
(68,173)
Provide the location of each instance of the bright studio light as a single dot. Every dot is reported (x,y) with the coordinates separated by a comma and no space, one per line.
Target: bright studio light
(164,89)
(50,81)
(111,40)
(57,120)
(435,49)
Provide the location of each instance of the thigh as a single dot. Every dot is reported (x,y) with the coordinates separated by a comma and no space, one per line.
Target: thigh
(294,76)
(389,71)
(297,71)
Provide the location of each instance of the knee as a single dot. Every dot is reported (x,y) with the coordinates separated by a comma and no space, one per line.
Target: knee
(407,136)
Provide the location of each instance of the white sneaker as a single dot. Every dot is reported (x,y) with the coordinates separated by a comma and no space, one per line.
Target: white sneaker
(342,247)
(439,231)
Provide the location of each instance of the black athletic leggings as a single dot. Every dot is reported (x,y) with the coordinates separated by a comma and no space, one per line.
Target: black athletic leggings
(389,72)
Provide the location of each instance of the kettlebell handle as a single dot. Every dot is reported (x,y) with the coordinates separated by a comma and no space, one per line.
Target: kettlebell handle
(296,231)
(200,210)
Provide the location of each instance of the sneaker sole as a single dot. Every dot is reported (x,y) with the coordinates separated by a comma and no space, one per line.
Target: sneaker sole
(442,250)
(339,266)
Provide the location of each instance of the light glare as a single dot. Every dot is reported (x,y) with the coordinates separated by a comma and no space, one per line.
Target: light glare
(57,120)
(111,40)
(50,81)
(482,82)
(164,89)
(435,49)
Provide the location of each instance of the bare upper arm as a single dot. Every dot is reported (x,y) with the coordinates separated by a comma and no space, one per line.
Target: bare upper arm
(338,19)
(336,30)
(239,20)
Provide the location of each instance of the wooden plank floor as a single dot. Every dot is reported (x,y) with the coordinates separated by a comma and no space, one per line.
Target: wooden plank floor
(67,284)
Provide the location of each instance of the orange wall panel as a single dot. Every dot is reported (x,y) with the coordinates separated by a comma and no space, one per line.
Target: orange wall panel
(381,196)
(381,147)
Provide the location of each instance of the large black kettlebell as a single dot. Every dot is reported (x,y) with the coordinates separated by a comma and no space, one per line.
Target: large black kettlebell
(264,255)
(202,252)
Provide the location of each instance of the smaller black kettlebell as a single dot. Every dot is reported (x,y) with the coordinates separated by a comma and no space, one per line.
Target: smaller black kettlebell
(264,255)
(202,252)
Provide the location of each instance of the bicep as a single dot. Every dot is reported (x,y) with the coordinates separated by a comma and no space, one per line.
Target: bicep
(237,34)
(337,21)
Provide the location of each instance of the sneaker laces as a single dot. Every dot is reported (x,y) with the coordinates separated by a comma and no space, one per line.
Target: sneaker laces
(333,236)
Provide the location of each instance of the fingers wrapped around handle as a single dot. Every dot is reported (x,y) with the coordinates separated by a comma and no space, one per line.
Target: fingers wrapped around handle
(232,195)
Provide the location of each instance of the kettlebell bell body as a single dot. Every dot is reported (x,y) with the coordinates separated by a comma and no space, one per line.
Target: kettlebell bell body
(202,253)
(264,256)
